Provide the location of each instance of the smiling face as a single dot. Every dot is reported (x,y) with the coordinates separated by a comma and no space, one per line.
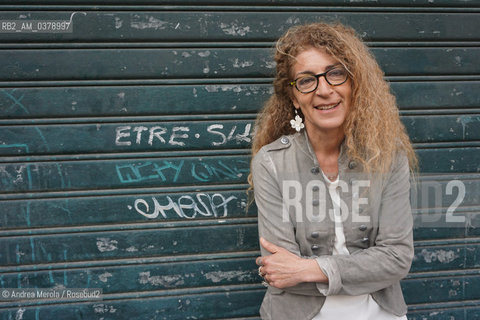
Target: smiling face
(326,108)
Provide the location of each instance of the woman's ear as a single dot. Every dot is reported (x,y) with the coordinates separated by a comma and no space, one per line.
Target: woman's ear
(292,97)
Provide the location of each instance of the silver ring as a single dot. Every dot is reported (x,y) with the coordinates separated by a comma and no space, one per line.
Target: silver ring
(260,271)
(265,283)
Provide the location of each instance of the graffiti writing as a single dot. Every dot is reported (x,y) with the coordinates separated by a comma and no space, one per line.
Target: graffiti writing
(185,207)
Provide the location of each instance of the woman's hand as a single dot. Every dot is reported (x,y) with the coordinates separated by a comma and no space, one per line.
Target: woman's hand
(284,269)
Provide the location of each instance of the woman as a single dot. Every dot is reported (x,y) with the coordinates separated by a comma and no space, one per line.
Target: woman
(330,174)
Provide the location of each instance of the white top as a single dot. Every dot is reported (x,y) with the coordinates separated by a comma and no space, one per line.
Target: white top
(336,307)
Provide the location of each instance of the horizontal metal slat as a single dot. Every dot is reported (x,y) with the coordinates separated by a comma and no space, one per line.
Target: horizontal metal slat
(178,171)
(441,258)
(165,136)
(91,211)
(82,175)
(280,3)
(24,140)
(149,277)
(97,64)
(443,128)
(178,26)
(469,311)
(449,160)
(438,227)
(441,289)
(434,95)
(235,303)
(156,100)
(127,244)
(125,137)
(196,210)
(133,100)
(130,262)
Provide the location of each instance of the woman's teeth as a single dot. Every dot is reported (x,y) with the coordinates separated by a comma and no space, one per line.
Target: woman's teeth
(327,107)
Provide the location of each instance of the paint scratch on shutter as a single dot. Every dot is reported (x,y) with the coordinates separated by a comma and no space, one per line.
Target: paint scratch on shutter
(218,276)
(442,256)
(106,244)
(165,281)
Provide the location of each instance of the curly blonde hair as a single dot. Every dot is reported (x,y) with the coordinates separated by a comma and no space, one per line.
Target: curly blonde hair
(373,130)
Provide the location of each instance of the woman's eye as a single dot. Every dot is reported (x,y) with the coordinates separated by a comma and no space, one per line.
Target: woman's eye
(306,81)
(337,73)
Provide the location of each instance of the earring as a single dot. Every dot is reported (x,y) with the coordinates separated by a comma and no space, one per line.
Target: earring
(297,123)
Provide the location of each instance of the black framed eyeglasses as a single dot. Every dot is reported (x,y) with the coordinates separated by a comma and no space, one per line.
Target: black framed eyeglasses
(309,82)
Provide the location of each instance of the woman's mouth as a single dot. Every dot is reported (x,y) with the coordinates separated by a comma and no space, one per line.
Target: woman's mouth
(327,107)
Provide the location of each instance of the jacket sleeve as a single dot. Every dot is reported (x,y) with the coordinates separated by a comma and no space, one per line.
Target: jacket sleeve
(389,260)
(273,224)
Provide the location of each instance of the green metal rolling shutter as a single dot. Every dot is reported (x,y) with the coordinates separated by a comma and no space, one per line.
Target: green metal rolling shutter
(124,149)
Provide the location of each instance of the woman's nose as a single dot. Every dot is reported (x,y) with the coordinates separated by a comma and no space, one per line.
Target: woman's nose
(323,88)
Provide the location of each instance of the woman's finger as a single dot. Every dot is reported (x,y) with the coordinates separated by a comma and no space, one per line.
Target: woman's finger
(270,247)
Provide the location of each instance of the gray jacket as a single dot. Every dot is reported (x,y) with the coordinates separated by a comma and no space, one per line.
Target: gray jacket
(294,212)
